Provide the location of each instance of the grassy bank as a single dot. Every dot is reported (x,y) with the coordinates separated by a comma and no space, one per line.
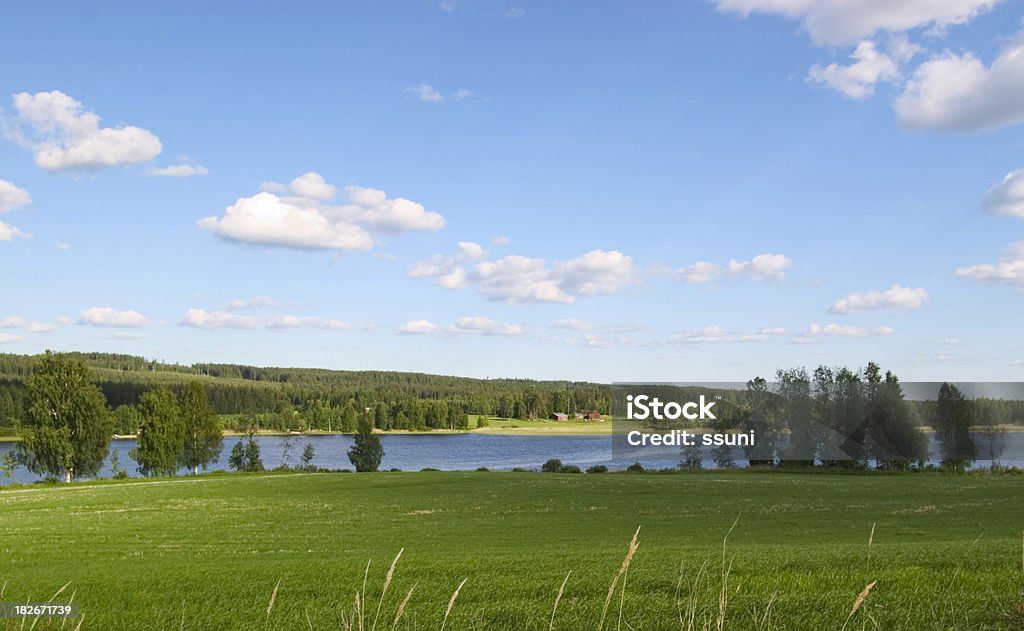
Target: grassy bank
(946,551)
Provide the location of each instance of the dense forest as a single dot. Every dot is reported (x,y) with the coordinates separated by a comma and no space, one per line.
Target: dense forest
(309,398)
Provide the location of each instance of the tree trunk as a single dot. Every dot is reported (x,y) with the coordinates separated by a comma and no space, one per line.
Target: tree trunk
(195,470)
(67,476)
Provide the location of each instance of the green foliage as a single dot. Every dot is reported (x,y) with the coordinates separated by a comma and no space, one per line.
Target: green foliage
(636,467)
(203,437)
(245,455)
(952,422)
(162,435)
(68,427)
(118,472)
(7,465)
(367,452)
(598,468)
(553,465)
(308,454)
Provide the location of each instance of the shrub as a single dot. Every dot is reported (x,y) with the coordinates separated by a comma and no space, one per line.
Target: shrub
(598,468)
(636,467)
(553,465)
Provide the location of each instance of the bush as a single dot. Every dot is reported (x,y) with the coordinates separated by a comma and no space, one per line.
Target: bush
(482,469)
(636,467)
(551,466)
(429,469)
(570,468)
(520,470)
(598,468)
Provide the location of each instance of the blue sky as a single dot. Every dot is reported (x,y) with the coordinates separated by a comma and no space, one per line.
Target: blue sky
(694,191)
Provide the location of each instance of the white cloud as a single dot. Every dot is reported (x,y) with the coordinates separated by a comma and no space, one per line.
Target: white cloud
(835,22)
(178,170)
(519,279)
(60,245)
(7,338)
(1007,197)
(448,5)
(958,93)
(202,319)
(426,92)
(839,330)
(698,273)
(949,341)
(761,267)
(311,185)
(429,94)
(470,325)
(870,66)
(10,233)
(1008,270)
(501,240)
(305,218)
(65,137)
(515,13)
(26,325)
(256,302)
(12,197)
(419,327)
(896,297)
(771,330)
(486,326)
(471,251)
(109,317)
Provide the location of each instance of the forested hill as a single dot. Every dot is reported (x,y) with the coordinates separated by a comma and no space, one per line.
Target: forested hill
(238,389)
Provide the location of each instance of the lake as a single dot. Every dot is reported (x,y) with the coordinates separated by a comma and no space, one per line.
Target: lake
(471,451)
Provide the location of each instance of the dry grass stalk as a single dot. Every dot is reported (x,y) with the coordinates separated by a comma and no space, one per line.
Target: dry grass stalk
(36,619)
(451,602)
(401,607)
(387,583)
(80,619)
(861,597)
(723,595)
(273,597)
(308,621)
(766,618)
(692,604)
(871,540)
(615,580)
(561,590)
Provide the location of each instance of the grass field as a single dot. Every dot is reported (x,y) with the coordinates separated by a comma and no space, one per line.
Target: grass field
(206,553)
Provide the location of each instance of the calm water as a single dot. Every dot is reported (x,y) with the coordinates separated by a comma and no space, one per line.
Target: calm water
(471,451)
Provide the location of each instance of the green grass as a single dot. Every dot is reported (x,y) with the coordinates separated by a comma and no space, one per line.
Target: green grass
(946,551)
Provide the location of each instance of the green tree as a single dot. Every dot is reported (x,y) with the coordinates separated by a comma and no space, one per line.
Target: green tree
(253,462)
(162,435)
(308,453)
(237,458)
(892,436)
(204,439)
(68,428)
(8,464)
(348,419)
(367,452)
(952,424)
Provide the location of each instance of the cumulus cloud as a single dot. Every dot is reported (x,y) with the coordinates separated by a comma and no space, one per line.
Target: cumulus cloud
(840,330)
(896,297)
(761,267)
(837,22)
(706,335)
(7,338)
(957,93)
(1008,270)
(303,216)
(202,319)
(501,240)
(470,325)
(26,325)
(63,136)
(520,279)
(870,66)
(1007,197)
(178,170)
(109,317)
(12,197)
